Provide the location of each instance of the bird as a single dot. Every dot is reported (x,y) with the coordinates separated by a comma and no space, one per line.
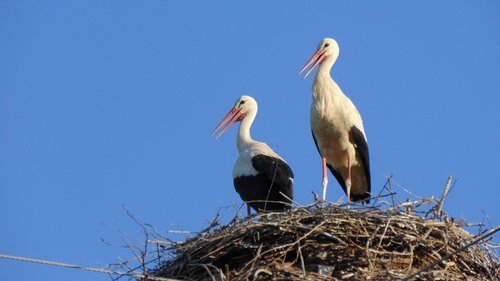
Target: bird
(337,128)
(261,177)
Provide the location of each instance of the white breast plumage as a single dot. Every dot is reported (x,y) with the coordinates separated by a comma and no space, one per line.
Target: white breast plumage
(243,165)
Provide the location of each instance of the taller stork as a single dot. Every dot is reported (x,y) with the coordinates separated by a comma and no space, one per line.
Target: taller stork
(337,128)
(261,177)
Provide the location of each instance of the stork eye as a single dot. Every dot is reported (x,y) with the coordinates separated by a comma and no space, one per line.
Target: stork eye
(242,102)
(326,45)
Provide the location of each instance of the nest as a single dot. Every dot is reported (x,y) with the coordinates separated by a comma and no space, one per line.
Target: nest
(335,243)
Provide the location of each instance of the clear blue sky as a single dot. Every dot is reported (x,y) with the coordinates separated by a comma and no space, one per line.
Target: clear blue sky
(111,103)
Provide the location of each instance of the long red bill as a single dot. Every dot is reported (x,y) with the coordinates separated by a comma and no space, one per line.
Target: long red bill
(319,57)
(234,114)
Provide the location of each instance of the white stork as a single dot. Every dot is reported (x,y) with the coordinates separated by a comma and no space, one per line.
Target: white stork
(261,177)
(337,128)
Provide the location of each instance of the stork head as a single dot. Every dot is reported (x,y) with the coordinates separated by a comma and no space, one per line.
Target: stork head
(327,48)
(241,108)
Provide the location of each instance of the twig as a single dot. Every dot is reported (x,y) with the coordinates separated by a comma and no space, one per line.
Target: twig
(302,264)
(413,203)
(256,256)
(205,266)
(158,234)
(487,218)
(161,242)
(215,222)
(261,270)
(291,200)
(403,188)
(326,234)
(180,232)
(477,240)
(385,230)
(439,211)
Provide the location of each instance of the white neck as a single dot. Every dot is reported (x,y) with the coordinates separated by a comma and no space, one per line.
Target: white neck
(324,87)
(244,139)
(323,73)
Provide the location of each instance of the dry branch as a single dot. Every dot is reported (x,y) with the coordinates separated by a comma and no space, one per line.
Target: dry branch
(334,243)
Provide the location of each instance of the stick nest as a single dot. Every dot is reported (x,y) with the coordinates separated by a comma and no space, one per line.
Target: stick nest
(334,243)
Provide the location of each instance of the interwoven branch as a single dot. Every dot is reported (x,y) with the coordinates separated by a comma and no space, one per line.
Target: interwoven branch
(334,243)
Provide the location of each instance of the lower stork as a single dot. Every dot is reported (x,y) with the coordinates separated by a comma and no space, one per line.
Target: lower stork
(262,178)
(337,128)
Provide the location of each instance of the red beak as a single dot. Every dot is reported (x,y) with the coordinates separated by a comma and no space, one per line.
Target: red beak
(319,56)
(234,114)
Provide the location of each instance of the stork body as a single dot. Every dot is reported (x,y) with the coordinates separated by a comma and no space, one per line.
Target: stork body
(337,128)
(261,177)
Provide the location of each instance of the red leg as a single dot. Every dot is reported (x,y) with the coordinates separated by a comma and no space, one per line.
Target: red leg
(325,178)
(348,182)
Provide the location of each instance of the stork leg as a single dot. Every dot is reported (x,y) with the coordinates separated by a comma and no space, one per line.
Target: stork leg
(348,183)
(325,178)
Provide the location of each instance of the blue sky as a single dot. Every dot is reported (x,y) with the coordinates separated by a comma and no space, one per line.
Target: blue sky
(111,103)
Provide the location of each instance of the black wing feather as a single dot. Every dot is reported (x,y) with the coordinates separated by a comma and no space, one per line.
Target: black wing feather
(357,138)
(277,171)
